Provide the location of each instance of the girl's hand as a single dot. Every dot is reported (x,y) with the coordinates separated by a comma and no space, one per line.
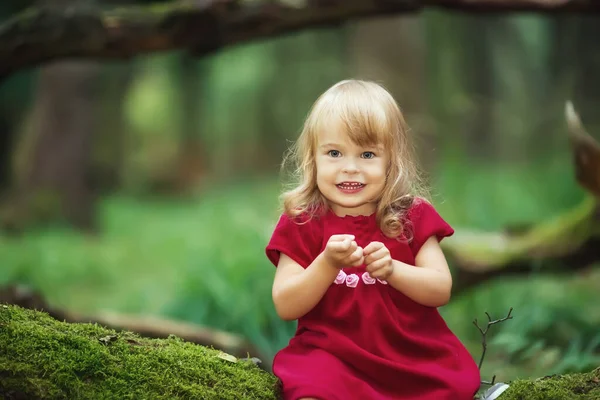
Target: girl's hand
(342,251)
(379,261)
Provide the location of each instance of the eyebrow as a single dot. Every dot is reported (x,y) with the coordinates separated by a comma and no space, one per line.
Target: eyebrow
(373,147)
(329,145)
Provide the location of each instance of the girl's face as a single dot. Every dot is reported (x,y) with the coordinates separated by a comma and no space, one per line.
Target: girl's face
(351,177)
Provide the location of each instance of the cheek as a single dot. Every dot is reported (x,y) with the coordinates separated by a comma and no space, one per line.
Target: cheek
(377,172)
(321,176)
(324,170)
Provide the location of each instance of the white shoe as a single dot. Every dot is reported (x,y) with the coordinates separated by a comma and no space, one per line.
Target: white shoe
(495,391)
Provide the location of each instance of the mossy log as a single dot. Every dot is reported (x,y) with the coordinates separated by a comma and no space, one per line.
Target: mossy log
(565,243)
(42,34)
(43,358)
(584,386)
(146,326)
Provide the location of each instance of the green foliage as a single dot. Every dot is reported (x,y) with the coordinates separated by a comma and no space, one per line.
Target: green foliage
(44,358)
(554,327)
(497,195)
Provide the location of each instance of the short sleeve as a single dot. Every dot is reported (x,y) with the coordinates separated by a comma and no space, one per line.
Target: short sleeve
(298,238)
(425,223)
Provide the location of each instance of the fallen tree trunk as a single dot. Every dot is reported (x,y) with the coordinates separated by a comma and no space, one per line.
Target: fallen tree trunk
(42,34)
(564,244)
(146,326)
(585,386)
(42,358)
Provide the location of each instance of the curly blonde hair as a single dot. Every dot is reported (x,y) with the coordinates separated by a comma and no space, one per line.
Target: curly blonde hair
(370,116)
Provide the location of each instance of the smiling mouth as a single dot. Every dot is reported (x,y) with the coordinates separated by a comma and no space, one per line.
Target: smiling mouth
(350,186)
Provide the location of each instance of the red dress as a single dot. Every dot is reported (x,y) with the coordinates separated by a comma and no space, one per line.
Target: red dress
(365,339)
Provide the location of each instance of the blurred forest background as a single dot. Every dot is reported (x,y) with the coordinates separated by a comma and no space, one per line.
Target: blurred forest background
(150,186)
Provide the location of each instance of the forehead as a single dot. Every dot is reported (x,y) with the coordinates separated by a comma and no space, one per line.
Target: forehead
(336,132)
(332,132)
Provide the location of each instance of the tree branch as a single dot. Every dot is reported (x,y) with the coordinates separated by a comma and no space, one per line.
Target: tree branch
(563,244)
(41,34)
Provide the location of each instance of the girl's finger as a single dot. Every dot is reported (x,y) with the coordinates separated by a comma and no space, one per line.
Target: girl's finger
(373,246)
(340,237)
(376,255)
(374,266)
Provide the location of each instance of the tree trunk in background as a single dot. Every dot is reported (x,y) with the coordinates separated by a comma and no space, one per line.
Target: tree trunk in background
(392,52)
(57,184)
(111,131)
(6,142)
(186,162)
(518,50)
(477,77)
(6,131)
(231,118)
(190,163)
(448,102)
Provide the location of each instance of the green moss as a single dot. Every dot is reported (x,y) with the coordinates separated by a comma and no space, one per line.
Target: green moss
(154,11)
(585,386)
(44,358)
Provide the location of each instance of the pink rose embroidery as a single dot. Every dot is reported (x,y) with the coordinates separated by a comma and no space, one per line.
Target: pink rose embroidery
(367,279)
(340,278)
(382,282)
(352,280)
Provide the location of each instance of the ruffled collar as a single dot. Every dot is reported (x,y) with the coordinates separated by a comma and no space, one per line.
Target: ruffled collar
(352,219)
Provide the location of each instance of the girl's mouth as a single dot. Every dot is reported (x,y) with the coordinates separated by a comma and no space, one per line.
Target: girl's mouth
(350,187)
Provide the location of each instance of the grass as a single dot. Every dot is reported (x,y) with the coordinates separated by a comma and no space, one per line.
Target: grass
(202,260)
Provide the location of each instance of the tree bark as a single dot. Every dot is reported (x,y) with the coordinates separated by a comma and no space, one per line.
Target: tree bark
(46,33)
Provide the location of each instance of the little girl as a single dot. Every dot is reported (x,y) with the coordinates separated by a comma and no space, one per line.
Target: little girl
(359,263)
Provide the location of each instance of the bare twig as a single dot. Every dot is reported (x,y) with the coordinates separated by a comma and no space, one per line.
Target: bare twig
(484,338)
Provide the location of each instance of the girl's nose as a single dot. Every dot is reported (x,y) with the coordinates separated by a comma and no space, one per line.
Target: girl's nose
(350,167)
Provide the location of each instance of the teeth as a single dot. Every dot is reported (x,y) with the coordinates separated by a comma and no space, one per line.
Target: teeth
(350,186)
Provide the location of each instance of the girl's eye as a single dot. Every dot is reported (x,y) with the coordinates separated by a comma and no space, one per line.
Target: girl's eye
(334,153)
(368,154)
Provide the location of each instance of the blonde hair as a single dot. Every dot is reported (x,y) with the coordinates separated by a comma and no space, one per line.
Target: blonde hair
(370,116)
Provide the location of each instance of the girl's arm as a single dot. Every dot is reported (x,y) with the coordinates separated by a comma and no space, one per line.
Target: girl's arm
(297,290)
(429,281)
